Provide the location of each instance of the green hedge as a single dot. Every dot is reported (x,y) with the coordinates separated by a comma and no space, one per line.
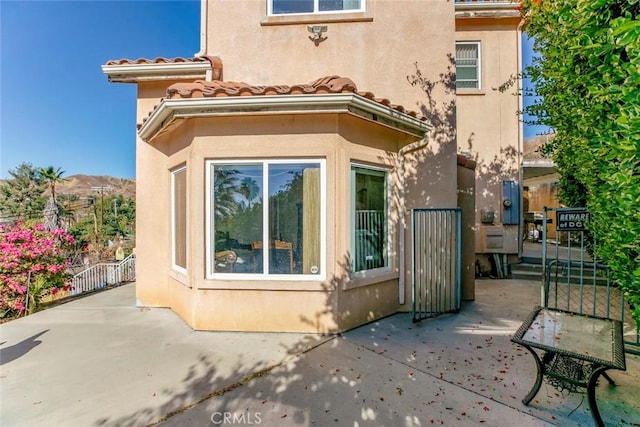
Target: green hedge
(588,78)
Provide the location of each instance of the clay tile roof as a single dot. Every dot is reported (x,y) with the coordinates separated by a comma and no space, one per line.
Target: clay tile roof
(159,60)
(217,88)
(324,85)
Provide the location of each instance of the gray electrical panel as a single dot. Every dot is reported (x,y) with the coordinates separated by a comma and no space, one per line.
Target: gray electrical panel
(510,203)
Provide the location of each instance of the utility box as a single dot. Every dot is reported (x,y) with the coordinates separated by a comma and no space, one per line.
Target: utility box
(510,203)
(497,239)
(487,216)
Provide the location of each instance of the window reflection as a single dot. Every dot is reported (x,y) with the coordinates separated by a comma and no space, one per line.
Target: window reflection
(292,224)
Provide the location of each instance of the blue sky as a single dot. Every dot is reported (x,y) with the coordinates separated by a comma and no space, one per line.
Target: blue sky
(51,53)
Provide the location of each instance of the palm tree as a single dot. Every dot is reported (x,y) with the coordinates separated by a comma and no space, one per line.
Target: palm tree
(51,176)
(249,189)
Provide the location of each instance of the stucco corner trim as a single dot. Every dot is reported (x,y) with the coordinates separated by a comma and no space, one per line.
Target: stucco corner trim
(171,110)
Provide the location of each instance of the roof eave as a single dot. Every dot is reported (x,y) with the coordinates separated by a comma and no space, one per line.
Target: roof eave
(482,9)
(134,73)
(486,5)
(170,110)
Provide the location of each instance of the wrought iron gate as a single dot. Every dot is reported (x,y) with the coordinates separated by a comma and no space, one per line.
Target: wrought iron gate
(436,260)
(575,281)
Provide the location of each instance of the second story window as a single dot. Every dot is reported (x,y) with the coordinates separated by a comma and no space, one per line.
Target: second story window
(285,7)
(467,65)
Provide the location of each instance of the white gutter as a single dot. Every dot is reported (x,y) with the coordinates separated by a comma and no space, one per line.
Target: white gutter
(401,217)
(171,109)
(129,73)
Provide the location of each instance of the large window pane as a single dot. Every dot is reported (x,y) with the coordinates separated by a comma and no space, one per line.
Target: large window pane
(291,226)
(237,210)
(369,218)
(294,218)
(330,5)
(292,6)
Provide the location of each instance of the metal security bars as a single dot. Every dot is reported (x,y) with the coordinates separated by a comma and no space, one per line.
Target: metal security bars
(370,239)
(436,262)
(574,281)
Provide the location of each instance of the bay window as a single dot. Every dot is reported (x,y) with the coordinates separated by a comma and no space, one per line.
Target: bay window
(369,218)
(266,217)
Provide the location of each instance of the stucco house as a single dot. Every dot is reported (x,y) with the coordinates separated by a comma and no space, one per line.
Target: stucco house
(277,168)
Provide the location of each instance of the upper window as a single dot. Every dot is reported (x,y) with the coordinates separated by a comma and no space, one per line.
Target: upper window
(266,217)
(179,219)
(468,65)
(285,7)
(369,218)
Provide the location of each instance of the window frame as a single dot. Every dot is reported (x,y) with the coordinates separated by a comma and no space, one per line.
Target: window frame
(316,11)
(388,267)
(210,226)
(174,266)
(478,46)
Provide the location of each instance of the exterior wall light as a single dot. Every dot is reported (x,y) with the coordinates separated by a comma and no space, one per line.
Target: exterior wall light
(316,33)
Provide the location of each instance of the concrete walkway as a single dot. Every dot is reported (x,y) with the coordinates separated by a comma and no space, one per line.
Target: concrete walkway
(100,361)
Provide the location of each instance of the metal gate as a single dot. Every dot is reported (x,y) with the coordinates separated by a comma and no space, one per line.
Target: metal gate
(436,260)
(575,281)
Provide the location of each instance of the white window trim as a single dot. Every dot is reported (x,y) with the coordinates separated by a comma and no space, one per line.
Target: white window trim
(174,266)
(479,66)
(363,8)
(209,226)
(374,272)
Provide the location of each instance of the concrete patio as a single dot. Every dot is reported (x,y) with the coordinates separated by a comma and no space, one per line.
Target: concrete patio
(101,361)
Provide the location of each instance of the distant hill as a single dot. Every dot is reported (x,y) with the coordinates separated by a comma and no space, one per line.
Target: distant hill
(85,185)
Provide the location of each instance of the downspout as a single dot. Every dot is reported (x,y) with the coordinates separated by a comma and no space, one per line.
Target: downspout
(401,217)
(520,136)
(204,5)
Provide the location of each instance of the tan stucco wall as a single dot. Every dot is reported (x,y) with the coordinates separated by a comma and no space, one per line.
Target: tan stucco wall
(378,54)
(487,122)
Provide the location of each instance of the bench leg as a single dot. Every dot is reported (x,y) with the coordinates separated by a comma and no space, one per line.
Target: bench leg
(591,394)
(539,375)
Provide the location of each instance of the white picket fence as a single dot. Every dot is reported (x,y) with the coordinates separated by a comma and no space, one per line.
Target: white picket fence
(102,275)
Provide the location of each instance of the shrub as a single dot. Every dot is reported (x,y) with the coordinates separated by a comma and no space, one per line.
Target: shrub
(33,264)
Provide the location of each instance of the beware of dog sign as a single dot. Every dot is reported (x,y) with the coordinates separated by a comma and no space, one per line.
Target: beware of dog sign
(573,220)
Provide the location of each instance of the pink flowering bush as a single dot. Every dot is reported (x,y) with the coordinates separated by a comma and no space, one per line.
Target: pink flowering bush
(33,256)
